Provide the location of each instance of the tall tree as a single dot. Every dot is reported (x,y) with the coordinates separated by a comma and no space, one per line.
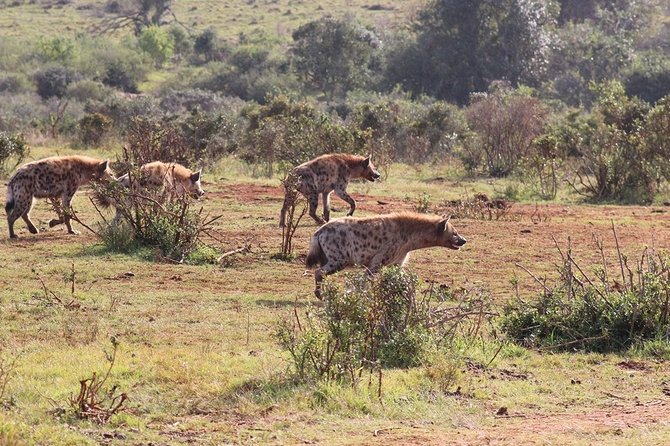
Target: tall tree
(469,43)
(139,14)
(334,55)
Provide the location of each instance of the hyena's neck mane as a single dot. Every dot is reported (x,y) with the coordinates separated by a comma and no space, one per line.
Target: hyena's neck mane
(419,230)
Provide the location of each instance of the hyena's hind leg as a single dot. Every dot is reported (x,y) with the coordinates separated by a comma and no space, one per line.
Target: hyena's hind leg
(325,196)
(331,267)
(31,227)
(313,199)
(342,193)
(21,208)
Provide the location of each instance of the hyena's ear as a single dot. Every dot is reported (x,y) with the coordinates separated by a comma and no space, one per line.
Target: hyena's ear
(103,166)
(195,177)
(443,225)
(366,161)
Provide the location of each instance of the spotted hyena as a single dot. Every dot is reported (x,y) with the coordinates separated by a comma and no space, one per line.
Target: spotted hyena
(377,241)
(170,178)
(57,178)
(326,174)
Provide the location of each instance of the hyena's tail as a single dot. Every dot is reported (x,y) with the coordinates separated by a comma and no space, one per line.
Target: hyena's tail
(104,195)
(315,256)
(9,203)
(101,199)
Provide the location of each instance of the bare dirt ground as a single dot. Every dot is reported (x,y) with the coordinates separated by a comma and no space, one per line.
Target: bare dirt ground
(528,234)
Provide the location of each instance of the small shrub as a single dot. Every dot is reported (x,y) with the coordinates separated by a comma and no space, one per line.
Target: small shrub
(14,148)
(203,255)
(96,402)
(480,207)
(293,200)
(375,323)
(118,76)
(506,122)
(160,219)
(53,81)
(92,128)
(422,204)
(118,237)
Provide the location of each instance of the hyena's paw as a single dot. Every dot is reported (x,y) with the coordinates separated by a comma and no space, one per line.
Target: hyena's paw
(73,232)
(55,222)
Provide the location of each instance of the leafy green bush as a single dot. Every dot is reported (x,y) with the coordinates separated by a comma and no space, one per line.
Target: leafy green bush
(613,162)
(118,237)
(53,81)
(291,132)
(158,43)
(373,323)
(14,148)
(594,314)
(92,128)
(159,219)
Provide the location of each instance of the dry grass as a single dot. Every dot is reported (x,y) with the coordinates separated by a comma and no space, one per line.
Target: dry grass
(278,18)
(198,363)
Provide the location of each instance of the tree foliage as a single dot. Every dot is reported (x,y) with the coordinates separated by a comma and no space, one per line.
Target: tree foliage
(138,14)
(464,47)
(334,55)
(156,42)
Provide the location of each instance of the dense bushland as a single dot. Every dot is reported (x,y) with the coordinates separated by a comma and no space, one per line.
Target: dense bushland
(545,91)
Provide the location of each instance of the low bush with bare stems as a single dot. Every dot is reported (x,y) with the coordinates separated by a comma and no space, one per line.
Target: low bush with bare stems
(294,201)
(596,311)
(480,207)
(376,323)
(95,401)
(161,219)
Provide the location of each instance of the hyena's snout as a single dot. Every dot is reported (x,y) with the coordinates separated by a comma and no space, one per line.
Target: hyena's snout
(460,241)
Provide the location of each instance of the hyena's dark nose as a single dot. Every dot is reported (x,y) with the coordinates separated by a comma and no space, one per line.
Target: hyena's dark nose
(376,175)
(460,241)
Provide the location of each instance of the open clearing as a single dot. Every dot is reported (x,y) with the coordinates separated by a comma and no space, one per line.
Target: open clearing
(199,364)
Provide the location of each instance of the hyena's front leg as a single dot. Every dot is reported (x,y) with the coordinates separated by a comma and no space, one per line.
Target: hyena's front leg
(342,193)
(29,223)
(67,212)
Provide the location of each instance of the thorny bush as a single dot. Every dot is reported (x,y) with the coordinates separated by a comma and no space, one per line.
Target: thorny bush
(162,218)
(602,312)
(375,323)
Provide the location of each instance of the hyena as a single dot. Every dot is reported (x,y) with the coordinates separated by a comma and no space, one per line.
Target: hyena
(376,241)
(326,174)
(171,178)
(57,178)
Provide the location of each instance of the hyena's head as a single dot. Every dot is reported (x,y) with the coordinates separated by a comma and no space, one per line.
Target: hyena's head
(102,172)
(194,186)
(448,236)
(368,170)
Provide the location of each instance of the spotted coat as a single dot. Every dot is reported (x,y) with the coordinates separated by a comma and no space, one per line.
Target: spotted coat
(57,178)
(326,174)
(170,178)
(376,241)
